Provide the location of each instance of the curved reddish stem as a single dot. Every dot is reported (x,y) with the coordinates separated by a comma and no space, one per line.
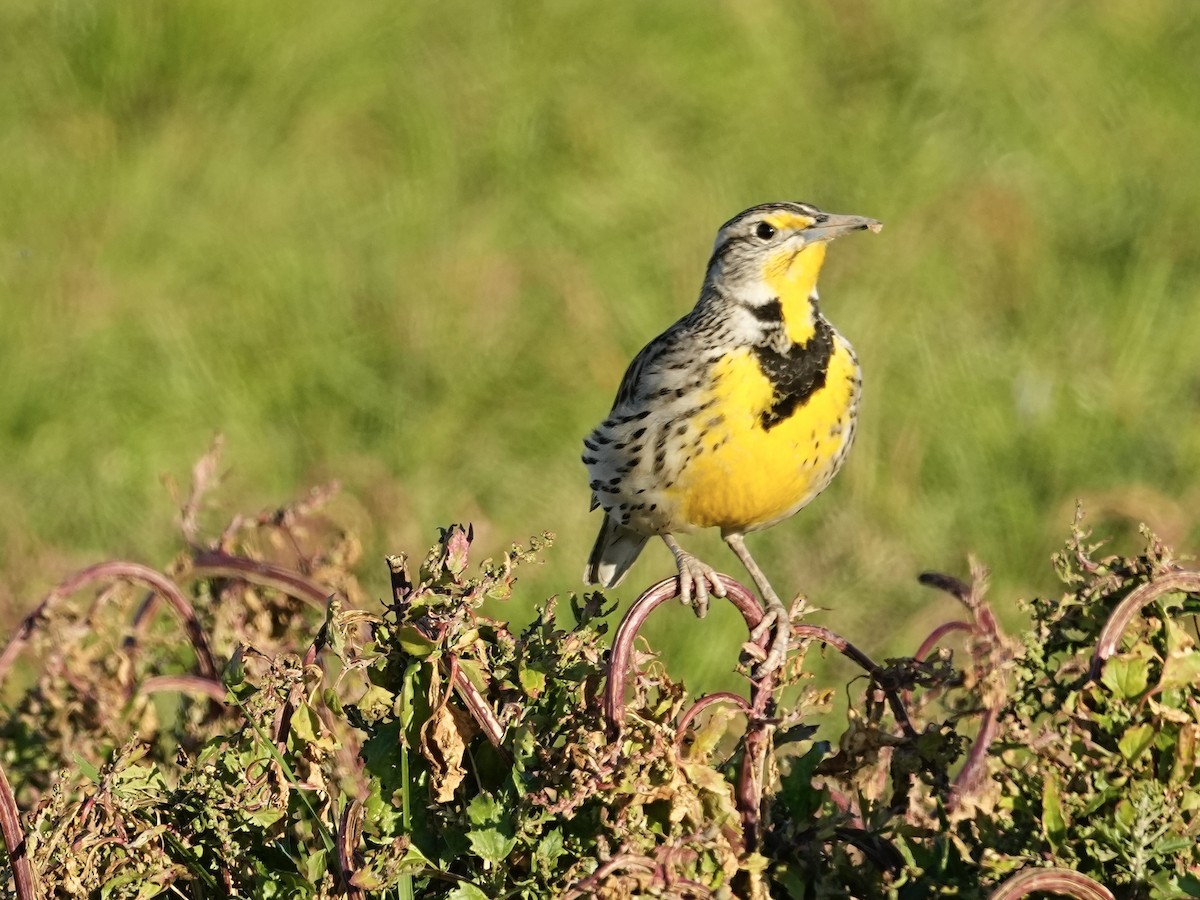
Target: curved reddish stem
(935,637)
(14,842)
(349,836)
(748,791)
(971,776)
(135,573)
(1183,580)
(839,643)
(955,587)
(848,650)
(1053,881)
(587,886)
(186,684)
(622,646)
(704,703)
(215,564)
(932,640)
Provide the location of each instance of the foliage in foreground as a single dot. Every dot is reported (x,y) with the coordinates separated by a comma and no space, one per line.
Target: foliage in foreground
(304,743)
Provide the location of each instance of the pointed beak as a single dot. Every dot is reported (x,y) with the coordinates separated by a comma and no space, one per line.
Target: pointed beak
(835,226)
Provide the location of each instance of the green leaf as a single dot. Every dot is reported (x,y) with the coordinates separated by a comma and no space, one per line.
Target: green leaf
(1126,676)
(490,845)
(796,790)
(1169,847)
(532,680)
(315,866)
(331,699)
(484,809)
(305,724)
(474,673)
(411,696)
(1135,741)
(1190,884)
(1054,822)
(1181,668)
(466,891)
(376,703)
(414,642)
(265,818)
(490,839)
(89,771)
(549,849)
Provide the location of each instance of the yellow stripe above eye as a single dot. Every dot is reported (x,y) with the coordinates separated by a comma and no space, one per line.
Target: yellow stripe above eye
(783,221)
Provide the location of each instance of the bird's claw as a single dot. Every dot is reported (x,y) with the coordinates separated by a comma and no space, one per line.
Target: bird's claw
(696,581)
(775,619)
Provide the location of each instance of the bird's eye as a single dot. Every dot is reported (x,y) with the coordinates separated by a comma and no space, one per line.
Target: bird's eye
(764,231)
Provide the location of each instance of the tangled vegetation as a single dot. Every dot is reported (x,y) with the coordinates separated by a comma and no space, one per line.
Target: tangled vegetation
(246,723)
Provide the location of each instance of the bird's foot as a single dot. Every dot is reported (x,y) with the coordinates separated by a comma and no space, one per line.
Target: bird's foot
(777,620)
(697,580)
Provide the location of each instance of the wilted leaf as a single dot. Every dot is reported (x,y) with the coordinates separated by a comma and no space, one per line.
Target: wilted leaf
(443,742)
(376,703)
(457,547)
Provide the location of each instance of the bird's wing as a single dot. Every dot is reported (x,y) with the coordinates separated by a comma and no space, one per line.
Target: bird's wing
(639,369)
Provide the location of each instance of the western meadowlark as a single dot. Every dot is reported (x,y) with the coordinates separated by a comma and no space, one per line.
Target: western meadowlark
(736,416)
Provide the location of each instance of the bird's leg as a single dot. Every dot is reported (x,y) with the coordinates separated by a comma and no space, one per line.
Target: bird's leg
(775,614)
(696,579)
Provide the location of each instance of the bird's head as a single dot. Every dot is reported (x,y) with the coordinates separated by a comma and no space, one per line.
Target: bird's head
(770,255)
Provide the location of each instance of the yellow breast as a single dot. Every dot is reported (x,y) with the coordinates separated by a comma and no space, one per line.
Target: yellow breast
(744,476)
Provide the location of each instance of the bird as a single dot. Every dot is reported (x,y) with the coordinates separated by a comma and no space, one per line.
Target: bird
(736,417)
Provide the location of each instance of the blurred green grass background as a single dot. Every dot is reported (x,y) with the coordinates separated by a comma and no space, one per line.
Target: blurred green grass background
(412,247)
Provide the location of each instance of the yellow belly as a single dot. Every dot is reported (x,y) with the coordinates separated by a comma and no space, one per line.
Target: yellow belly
(746,477)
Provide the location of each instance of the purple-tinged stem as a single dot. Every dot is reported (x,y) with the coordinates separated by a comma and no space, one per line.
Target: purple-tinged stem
(1063,882)
(135,573)
(704,703)
(185,684)
(14,841)
(1183,580)
(748,791)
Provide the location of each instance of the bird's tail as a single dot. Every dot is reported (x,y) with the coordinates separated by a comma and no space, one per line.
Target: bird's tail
(615,550)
